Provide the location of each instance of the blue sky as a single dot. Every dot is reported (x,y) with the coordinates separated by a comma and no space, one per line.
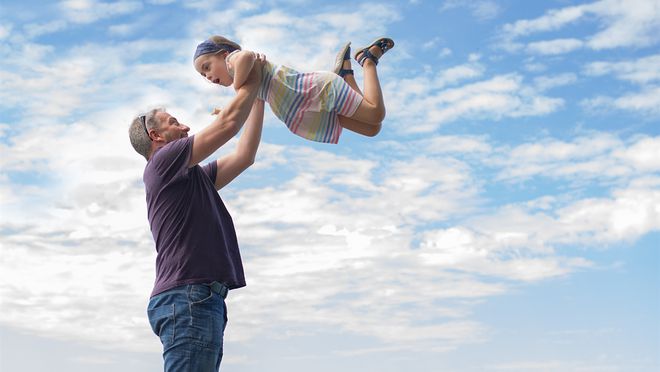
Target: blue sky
(506,218)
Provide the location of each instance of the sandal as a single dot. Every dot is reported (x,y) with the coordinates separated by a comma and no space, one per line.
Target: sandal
(384,43)
(343,55)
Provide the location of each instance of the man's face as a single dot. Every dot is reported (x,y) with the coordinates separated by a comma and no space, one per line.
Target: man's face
(170,128)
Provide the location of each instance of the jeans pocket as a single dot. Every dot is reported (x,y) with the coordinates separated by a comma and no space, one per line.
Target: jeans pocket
(163,323)
(206,316)
(199,293)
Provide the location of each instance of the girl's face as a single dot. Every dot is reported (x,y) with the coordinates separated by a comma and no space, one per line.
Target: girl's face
(214,68)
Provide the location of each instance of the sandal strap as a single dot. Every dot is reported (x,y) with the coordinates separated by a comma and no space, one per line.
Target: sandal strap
(383,44)
(343,72)
(347,55)
(367,54)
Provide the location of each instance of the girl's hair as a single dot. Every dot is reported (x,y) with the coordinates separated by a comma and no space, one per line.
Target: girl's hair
(220,40)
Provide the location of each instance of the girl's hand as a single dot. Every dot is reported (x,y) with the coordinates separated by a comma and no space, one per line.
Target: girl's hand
(216,111)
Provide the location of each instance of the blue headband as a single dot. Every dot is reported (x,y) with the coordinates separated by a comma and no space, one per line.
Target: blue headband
(208,46)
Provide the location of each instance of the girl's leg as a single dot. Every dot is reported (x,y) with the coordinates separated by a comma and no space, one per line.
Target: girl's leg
(372,108)
(360,127)
(344,69)
(368,117)
(349,78)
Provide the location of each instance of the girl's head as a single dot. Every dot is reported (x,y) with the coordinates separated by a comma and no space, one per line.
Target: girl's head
(209,59)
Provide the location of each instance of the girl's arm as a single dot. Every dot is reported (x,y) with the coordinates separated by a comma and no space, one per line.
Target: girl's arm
(242,63)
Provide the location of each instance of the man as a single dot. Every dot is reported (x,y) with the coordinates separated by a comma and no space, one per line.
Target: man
(198,259)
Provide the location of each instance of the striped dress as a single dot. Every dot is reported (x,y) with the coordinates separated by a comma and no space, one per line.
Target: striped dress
(308,102)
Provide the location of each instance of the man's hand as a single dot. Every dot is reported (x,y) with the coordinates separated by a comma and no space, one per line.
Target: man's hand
(253,79)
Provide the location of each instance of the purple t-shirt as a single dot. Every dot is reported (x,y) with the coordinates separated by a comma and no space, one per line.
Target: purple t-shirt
(194,233)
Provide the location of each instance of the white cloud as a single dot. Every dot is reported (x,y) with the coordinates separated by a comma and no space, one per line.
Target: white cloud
(5,30)
(647,100)
(553,20)
(455,144)
(643,154)
(455,74)
(558,46)
(4,127)
(485,10)
(634,23)
(601,363)
(626,214)
(628,23)
(425,107)
(433,43)
(90,235)
(123,29)
(641,71)
(533,66)
(544,83)
(482,10)
(47,86)
(631,213)
(34,30)
(644,102)
(334,241)
(88,11)
(592,156)
(327,232)
(444,52)
(339,239)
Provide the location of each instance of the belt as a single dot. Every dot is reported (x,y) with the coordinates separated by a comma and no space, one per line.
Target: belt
(219,288)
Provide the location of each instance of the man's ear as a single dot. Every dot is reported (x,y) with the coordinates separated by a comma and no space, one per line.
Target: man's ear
(155,136)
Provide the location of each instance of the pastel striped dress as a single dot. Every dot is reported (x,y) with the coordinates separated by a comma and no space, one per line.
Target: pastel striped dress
(308,102)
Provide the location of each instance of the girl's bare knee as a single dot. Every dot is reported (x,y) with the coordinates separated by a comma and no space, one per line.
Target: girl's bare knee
(377,116)
(370,114)
(380,115)
(373,130)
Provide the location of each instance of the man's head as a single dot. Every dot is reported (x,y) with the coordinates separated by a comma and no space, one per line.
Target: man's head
(153,130)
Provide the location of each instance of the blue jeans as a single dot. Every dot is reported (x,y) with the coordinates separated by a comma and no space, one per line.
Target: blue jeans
(190,321)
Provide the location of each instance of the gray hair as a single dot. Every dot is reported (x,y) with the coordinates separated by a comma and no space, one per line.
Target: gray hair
(138,133)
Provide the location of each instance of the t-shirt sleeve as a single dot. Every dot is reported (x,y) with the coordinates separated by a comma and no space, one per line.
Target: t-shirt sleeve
(172,160)
(211,170)
(230,64)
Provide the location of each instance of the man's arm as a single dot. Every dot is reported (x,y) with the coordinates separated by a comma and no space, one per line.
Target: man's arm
(230,166)
(229,122)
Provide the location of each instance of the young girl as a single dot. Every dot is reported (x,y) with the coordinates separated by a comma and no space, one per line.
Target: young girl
(313,105)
